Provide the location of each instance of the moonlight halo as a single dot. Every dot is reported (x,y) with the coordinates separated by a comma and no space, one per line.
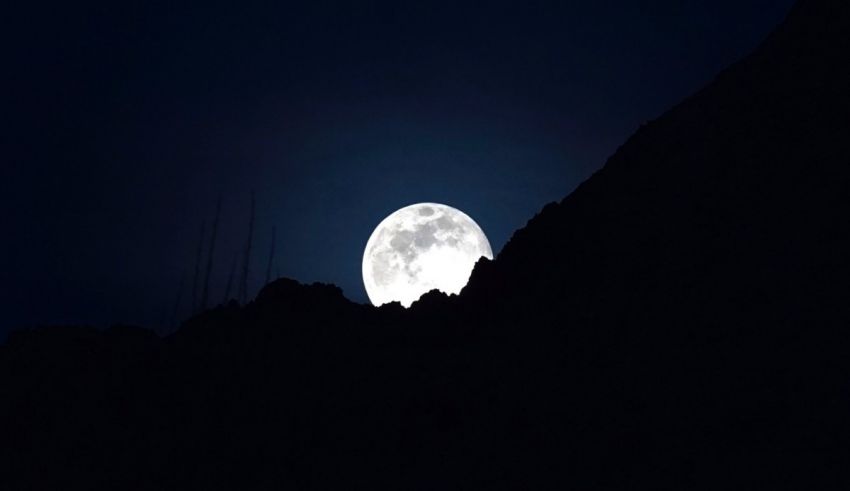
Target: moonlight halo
(419,248)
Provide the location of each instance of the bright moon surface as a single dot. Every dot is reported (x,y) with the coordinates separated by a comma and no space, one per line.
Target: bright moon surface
(419,248)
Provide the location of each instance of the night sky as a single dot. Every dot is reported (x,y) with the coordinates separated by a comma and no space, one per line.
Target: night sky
(123,122)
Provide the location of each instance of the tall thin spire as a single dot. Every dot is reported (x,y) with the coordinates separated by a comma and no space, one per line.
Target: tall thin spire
(246,263)
(271,257)
(210,255)
(172,322)
(230,278)
(199,252)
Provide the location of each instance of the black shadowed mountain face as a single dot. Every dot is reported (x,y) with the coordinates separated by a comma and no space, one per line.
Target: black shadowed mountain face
(680,321)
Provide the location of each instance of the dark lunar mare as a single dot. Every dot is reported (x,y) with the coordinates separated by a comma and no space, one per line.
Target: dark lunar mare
(680,321)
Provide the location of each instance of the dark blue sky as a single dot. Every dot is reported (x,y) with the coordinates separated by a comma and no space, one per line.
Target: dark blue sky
(122,123)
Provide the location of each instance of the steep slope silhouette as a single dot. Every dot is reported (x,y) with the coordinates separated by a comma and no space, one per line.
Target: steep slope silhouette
(708,259)
(749,173)
(680,321)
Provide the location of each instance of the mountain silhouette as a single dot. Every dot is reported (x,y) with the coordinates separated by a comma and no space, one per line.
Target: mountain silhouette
(679,321)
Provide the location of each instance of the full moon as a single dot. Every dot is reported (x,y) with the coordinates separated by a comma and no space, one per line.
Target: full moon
(419,248)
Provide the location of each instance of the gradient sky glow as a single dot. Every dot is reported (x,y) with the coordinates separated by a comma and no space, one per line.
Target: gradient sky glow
(124,121)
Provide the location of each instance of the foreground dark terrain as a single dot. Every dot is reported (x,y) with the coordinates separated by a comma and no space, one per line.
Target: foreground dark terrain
(680,321)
